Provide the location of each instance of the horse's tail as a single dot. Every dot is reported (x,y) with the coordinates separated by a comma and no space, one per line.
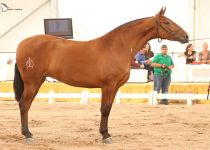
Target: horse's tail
(18,85)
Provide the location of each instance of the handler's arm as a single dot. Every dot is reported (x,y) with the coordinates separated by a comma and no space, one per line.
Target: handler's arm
(157,65)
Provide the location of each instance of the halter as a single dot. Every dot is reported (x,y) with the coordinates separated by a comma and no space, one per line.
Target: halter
(173,33)
(158,35)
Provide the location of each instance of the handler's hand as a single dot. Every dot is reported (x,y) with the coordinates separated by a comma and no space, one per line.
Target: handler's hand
(163,65)
(170,67)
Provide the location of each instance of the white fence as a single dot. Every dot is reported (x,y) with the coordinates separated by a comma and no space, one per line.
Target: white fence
(152,97)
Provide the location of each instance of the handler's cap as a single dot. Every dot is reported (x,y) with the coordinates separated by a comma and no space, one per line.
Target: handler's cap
(164,47)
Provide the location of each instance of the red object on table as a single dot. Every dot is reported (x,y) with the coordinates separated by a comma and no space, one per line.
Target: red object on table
(197,62)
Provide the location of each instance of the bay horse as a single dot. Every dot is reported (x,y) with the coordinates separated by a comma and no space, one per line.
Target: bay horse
(103,62)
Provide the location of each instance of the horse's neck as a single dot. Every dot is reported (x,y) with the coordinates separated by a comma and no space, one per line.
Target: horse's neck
(133,37)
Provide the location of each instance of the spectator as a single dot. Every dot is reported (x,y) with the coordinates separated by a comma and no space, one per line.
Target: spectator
(148,57)
(140,57)
(149,53)
(135,64)
(190,54)
(204,56)
(163,65)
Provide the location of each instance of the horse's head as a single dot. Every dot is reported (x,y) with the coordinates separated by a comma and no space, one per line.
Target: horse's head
(167,29)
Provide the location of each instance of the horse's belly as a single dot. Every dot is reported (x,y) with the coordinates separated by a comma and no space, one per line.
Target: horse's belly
(78,80)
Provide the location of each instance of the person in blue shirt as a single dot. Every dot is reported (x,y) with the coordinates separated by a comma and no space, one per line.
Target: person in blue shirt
(140,57)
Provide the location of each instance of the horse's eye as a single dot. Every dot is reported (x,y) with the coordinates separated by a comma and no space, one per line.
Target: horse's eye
(167,22)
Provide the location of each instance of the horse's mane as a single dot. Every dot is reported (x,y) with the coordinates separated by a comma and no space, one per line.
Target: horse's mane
(127,24)
(124,27)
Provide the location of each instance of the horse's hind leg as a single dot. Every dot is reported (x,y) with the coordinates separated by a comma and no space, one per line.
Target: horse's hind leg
(29,93)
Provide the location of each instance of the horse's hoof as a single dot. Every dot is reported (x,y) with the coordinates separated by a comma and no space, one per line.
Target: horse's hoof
(29,140)
(107,140)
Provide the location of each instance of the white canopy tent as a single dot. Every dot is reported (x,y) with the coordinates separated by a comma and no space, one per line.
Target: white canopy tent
(201,24)
(94,18)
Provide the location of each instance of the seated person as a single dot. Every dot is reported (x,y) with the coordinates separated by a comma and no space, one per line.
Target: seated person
(190,54)
(204,56)
(135,65)
(140,57)
(148,57)
(149,53)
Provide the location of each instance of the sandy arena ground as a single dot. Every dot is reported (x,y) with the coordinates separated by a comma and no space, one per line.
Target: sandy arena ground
(73,126)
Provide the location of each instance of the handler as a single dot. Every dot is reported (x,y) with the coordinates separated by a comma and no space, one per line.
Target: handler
(163,65)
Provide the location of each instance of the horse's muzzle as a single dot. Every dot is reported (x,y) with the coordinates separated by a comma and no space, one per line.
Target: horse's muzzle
(184,39)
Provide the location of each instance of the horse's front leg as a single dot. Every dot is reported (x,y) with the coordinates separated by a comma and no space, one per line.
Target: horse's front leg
(108,95)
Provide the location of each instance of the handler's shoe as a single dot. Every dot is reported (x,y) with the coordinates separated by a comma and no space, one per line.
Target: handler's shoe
(164,102)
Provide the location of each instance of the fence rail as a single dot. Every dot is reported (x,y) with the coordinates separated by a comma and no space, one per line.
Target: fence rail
(152,97)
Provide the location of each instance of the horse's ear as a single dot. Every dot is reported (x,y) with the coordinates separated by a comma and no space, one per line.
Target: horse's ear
(161,12)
